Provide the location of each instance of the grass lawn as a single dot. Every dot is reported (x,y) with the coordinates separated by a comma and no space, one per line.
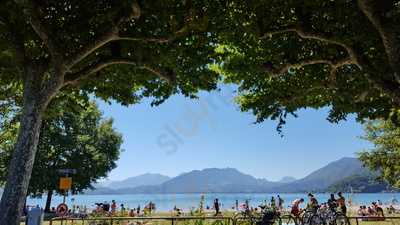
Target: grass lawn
(203,222)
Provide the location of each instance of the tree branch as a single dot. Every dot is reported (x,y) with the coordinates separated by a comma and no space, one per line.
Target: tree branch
(90,48)
(334,65)
(42,31)
(105,38)
(113,35)
(73,78)
(353,59)
(378,13)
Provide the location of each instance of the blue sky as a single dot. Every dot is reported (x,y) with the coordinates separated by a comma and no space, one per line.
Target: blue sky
(185,134)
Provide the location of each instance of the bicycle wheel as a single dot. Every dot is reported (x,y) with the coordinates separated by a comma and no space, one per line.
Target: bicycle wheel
(287,219)
(305,219)
(341,219)
(316,220)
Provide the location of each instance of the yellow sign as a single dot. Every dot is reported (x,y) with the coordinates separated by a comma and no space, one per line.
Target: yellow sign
(65,183)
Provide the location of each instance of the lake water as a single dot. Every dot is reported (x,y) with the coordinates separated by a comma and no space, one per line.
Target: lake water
(165,202)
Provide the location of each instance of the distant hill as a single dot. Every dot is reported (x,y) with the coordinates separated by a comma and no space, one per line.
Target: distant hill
(361,184)
(227,180)
(215,180)
(338,175)
(287,179)
(322,178)
(141,180)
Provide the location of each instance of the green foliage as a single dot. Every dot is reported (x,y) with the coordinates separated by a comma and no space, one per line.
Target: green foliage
(71,137)
(289,55)
(360,184)
(171,39)
(385,156)
(116,50)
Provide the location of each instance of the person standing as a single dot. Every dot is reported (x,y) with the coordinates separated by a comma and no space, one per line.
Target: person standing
(216,206)
(122,210)
(312,203)
(280,203)
(295,209)
(273,204)
(113,207)
(237,205)
(332,203)
(341,201)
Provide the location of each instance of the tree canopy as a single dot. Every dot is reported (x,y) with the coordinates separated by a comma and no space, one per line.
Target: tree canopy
(284,55)
(288,55)
(71,138)
(116,50)
(384,157)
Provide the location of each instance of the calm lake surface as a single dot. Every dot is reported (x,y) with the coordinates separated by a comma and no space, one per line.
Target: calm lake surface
(165,202)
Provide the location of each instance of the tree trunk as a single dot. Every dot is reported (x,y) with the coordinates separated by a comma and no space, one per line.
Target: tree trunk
(20,168)
(48,201)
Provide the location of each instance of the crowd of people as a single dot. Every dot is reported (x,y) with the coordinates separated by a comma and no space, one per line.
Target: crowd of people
(333,203)
(114,210)
(376,210)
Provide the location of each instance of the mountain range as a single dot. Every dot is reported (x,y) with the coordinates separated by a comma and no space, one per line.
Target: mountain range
(141,180)
(336,176)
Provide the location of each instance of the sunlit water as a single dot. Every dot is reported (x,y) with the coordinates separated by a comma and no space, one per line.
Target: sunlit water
(166,202)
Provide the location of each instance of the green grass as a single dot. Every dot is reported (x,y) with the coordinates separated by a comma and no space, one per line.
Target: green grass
(203,222)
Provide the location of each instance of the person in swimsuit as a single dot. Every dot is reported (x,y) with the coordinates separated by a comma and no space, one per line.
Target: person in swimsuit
(296,211)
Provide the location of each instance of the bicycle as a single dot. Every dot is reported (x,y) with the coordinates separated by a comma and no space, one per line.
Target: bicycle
(324,217)
(287,219)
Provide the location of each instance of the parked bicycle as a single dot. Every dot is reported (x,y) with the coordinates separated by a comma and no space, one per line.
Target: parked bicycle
(324,216)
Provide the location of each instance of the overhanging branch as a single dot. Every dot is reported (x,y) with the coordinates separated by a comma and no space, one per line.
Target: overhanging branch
(334,66)
(113,35)
(380,20)
(352,57)
(103,39)
(73,78)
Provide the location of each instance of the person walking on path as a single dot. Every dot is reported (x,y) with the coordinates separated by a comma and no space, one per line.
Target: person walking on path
(216,206)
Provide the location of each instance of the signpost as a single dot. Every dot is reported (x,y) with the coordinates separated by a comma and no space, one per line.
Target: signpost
(62,210)
(64,185)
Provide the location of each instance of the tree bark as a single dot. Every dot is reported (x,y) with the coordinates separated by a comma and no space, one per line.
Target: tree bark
(48,201)
(20,168)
